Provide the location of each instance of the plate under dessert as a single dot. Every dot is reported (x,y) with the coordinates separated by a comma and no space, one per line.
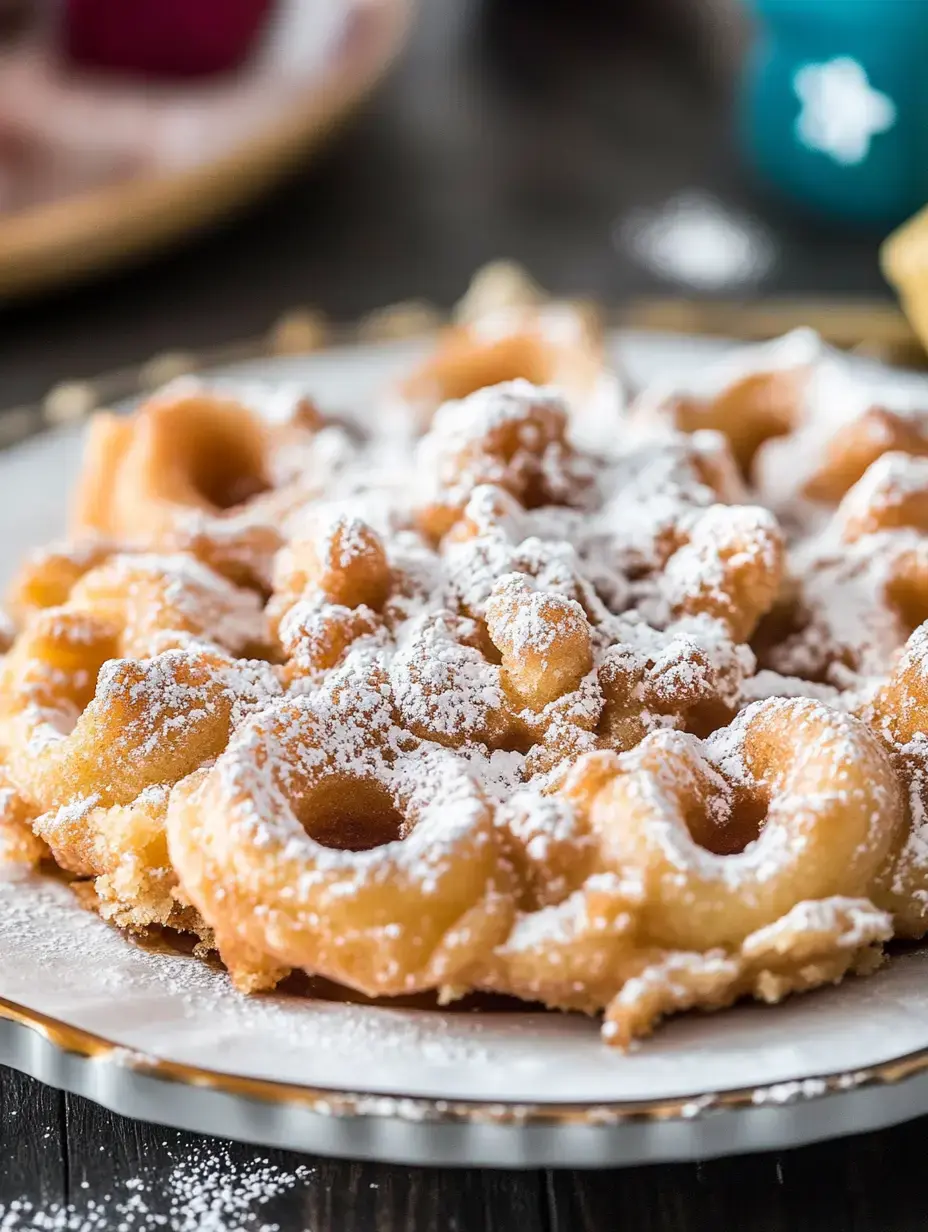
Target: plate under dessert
(161,1036)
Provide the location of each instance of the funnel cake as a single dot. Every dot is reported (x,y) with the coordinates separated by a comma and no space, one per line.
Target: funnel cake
(627,728)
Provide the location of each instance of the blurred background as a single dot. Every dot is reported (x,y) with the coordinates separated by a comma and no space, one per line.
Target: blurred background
(178,173)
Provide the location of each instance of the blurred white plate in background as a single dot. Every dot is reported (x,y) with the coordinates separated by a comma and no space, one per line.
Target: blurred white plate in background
(162,161)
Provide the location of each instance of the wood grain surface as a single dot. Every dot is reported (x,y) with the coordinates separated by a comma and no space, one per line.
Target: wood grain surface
(59,1150)
(511,129)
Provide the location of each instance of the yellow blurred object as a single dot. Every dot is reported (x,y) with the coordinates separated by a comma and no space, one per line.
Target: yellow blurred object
(904,259)
(69,402)
(407,319)
(298,332)
(167,366)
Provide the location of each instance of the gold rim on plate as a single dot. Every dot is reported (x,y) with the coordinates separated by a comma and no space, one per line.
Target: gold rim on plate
(87,1046)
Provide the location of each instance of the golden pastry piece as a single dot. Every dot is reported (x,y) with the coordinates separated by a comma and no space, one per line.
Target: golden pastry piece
(555,344)
(92,739)
(750,399)
(904,260)
(18,842)
(183,473)
(360,876)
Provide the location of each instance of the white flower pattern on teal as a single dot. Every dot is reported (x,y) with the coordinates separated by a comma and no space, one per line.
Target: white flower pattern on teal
(841,112)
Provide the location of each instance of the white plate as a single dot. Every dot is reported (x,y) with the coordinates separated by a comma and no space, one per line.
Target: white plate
(163,1037)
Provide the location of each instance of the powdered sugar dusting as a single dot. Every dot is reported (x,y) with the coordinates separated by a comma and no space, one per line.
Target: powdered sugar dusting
(207,1188)
(452,629)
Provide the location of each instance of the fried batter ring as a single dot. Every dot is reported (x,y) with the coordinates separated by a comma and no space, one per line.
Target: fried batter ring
(84,717)
(46,578)
(175,475)
(556,345)
(748,411)
(194,451)
(129,605)
(820,781)
(158,602)
(359,876)
(872,564)
(839,461)
(91,738)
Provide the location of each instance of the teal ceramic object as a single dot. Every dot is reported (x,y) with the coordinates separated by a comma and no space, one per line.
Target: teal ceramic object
(835,104)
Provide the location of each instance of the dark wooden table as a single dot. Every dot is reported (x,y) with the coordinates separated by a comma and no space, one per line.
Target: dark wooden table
(507,130)
(56,1150)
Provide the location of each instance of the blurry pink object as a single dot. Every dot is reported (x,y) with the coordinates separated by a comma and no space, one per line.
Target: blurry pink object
(163,38)
(66,130)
